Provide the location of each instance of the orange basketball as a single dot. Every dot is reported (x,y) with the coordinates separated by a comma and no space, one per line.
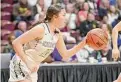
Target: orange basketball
(97,39)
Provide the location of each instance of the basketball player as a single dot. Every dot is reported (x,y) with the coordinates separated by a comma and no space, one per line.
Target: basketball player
(37,44)
(115,51)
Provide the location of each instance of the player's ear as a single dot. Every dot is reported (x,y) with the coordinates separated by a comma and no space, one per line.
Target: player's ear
(55,16)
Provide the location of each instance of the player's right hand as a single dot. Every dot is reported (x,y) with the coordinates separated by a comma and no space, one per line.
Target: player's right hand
(115,54)
(32,66)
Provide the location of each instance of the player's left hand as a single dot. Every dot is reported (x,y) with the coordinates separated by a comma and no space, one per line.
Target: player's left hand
(115,54)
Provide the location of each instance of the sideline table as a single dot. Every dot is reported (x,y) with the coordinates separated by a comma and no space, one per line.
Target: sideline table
(74,72)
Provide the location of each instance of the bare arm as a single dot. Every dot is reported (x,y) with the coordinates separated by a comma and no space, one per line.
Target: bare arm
(115,31)
(68,53)
(115,50)
(35,32)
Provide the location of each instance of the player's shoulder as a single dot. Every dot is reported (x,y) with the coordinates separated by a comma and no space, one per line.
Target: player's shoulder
(39,26)
(37,29)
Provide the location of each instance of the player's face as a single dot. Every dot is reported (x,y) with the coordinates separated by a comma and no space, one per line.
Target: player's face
(61,19)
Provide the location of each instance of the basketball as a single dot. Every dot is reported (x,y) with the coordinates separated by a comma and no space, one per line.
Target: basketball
(97,39)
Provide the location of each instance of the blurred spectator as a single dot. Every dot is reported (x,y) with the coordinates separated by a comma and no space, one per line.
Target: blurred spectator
(15,1)
(88,25)
(79,4)
(108,29)
(32,2)
(103,8)
(22,11)
(112,14)
(10,40)
(39,10)
(83,12)
(93,6)
(47,3)
(5,46)
(80,1)
(112,2)
(105,19)
(71,16)
(17,33)
(22,26)
(65,2)
(119,6)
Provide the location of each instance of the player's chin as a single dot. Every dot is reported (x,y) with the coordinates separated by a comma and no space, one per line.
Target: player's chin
(62,26)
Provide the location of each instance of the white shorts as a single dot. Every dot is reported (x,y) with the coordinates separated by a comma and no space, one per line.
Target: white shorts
(19,71)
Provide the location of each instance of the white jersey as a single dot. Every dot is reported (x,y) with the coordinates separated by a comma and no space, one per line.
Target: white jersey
(38,50)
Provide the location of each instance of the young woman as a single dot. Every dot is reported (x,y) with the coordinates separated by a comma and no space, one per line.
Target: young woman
(35,45)
(115,51)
